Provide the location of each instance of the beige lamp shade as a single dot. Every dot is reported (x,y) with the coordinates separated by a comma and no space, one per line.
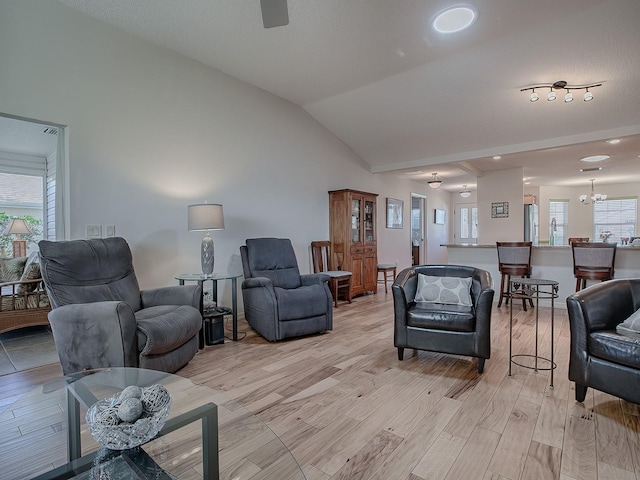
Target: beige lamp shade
(17,226)
(205,216)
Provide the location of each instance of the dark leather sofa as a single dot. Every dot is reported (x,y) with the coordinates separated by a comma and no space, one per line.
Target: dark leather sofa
(441,327)
(600,357)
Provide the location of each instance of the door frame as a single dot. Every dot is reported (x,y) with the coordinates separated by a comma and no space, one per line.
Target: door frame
(422,205)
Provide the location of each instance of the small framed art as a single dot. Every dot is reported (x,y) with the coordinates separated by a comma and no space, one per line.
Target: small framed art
(499,209)
(438,216)
(394,213)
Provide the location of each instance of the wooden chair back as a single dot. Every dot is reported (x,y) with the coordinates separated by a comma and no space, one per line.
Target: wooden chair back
(321,256)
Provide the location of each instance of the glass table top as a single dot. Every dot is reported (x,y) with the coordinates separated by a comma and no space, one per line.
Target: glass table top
(33,430)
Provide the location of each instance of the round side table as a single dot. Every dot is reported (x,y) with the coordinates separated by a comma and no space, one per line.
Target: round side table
(532,288)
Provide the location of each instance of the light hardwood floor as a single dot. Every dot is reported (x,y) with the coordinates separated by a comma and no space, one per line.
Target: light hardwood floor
(348,409)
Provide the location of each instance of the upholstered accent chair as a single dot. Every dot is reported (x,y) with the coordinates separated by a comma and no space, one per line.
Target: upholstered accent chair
(600,357)
(428,323)
(279,302)
(101,318)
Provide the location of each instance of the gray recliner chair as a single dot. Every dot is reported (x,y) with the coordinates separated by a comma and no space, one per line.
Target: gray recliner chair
(278,301)
(442,327)
(101,318)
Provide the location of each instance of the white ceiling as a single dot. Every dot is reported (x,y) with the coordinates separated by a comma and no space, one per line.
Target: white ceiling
(28,138)
(405,98)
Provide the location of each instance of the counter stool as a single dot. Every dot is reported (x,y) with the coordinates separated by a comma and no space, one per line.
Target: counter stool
(386,269)
(514,258)
(592,261)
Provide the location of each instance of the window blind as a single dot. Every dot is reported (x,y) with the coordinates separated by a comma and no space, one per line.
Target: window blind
(617,216)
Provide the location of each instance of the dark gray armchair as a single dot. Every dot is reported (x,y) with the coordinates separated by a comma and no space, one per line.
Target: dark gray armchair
(439,327)
(101,318)
(600,357)
(278,301)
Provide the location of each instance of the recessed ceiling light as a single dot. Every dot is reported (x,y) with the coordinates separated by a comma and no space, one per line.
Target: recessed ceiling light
(497,157)
(454,19)
(595,158)
(614,141)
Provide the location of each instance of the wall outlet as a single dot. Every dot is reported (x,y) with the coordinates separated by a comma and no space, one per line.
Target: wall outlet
(109,231)
(93,231)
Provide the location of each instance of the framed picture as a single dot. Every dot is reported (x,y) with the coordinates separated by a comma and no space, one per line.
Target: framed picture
(438,216)
(394,213)
(499,209)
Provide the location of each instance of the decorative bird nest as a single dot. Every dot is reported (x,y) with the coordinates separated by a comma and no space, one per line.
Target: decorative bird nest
(129,418)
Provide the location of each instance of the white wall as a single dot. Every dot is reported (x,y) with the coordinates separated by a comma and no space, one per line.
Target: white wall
(151,131)
(501,186)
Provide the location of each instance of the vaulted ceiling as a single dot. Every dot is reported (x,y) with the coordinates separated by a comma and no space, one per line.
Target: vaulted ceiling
(410,100)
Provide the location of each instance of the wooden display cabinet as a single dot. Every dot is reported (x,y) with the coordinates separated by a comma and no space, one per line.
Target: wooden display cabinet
(352,231)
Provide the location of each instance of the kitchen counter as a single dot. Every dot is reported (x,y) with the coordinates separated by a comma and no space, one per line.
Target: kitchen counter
(548,262)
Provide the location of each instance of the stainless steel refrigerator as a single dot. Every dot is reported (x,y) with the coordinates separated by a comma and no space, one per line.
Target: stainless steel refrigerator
(531,223)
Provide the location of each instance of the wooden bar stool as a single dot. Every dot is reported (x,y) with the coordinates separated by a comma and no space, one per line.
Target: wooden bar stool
(514,258)
(340,281)
(386,269)
(593,261)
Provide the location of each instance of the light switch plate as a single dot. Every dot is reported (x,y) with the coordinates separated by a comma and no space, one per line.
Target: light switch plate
(109,230)
(93,231)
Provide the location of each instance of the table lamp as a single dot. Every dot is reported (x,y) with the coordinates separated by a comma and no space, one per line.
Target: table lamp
(205,217)
(17,226)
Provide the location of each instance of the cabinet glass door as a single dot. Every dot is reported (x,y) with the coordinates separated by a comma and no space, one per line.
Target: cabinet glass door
(355,220)
(369,230)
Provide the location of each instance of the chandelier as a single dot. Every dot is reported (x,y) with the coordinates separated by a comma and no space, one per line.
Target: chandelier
(435,182)
(465,192)
(560,85)
(594,197)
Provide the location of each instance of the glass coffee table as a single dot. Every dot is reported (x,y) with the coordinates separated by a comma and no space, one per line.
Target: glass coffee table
(44,434)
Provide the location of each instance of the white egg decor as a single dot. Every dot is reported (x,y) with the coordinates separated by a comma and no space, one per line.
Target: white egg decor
(130,417)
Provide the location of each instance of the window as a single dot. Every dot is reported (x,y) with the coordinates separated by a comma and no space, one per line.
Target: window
(615,218)
(29,180)
(466,225)
(559,221)
(21,196)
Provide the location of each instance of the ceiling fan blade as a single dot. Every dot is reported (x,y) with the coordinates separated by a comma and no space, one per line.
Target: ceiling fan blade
(274,13)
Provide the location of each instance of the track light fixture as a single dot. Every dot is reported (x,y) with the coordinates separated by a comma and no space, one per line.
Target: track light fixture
(435,182)
(568,97)
(588,96)
(561,85)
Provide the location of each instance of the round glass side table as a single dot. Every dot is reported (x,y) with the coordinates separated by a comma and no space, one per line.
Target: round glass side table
(532,288)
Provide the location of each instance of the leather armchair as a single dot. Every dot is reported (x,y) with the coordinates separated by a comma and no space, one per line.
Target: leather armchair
(278,301)
(441,327)
(600,357)
(101,318)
